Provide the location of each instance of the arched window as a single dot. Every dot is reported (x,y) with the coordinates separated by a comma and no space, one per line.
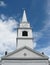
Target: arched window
(24,33)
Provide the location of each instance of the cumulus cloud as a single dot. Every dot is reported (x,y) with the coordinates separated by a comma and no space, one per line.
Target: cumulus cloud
(3,17)
(7,34)
(2,3)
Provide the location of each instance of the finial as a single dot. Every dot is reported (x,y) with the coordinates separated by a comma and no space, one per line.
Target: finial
(24,18)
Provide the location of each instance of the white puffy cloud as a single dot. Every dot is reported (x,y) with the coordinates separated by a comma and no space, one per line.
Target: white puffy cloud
(3,17)
(7,34)
(2,3)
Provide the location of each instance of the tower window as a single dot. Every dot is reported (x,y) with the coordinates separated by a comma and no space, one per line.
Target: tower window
(24,33)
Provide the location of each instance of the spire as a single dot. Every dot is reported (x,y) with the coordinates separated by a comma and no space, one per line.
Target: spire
(24,18)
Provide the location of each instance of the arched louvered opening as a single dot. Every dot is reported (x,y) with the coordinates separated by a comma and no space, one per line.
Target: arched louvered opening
(24,33)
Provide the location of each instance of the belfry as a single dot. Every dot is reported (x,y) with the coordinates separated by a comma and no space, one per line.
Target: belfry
(25,34)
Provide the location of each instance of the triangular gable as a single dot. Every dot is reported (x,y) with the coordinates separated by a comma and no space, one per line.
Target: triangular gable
(25,53)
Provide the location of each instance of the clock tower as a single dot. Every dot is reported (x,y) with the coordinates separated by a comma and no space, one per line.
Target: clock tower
(24,33)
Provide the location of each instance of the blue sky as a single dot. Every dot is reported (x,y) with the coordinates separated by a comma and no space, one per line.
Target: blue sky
(38,14)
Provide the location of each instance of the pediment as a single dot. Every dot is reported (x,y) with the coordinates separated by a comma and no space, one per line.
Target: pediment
(24,53)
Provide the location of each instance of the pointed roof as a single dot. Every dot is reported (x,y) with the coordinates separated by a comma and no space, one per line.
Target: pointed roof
(24,18)
(38,55)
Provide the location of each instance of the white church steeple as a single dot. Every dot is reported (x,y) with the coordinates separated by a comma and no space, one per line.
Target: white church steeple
(24,18)
(24,33)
